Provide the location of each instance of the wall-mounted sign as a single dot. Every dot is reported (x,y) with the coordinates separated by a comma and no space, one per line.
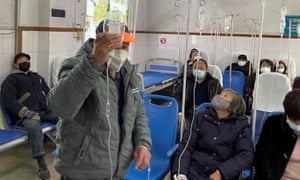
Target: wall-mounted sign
(295,25)
(163,40)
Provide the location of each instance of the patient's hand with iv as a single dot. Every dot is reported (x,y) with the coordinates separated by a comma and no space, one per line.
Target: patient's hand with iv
(103,45)
(142,157)
(215,175)
(180,177)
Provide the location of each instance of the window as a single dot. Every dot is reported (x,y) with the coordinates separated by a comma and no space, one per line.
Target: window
(96,11)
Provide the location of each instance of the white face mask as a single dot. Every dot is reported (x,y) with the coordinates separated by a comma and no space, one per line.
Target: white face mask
(281,70)
(265,69)
(241,63)
(118,57)
(293,126)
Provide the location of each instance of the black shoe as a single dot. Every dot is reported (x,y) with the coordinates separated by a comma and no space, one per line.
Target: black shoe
(44,173)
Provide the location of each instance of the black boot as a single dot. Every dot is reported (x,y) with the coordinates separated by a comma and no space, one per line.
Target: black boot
(44,173)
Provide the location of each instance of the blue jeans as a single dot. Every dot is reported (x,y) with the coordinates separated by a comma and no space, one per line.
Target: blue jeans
(35,134)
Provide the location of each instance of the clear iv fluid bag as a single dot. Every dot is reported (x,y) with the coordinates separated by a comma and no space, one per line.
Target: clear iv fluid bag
(282,22)
(201,18)
(114,22)
(227,24)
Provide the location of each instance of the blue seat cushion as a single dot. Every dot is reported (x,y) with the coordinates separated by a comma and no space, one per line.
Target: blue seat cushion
(7,136)
(21,127)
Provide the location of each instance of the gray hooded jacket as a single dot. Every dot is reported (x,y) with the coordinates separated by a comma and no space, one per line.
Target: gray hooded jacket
(82,139)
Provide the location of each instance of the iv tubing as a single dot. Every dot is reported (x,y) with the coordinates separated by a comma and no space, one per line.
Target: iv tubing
(230,52)
(193,119)
(107,113)
(289,46)
(258,67)
(178,36)
(132,45)
(135,17)
(185,69)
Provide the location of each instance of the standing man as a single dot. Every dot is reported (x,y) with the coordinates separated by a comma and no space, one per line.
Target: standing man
(24,95)
(102,130)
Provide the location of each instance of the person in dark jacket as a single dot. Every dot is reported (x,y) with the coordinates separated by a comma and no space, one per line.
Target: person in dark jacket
(242,64)
(277,155)
(218,145)
(201,88)
(24,95)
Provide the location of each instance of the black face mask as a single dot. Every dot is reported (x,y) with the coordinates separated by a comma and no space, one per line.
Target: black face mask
(24,66)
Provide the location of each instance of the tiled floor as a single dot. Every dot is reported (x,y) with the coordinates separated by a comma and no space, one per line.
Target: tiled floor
(17,164)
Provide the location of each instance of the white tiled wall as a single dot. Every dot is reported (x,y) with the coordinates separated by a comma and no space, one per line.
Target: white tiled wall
(30,46)
(46,47)
(74,13)
(148,46)
(29,13)
(7,51)
(7,14)
(62,46)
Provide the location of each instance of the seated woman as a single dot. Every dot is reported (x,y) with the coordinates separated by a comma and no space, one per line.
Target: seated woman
(201,88)
(266,66)
(218,145)
(281,67)
(277,155)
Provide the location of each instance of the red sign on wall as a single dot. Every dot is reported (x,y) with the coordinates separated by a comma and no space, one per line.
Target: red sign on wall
(163,40)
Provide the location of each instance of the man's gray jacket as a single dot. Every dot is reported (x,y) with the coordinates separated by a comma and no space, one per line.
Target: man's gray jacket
(82,140)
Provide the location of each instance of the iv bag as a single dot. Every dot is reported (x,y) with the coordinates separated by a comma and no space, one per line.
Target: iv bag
(201,18)
(282,22)
(227,23)
(114,22)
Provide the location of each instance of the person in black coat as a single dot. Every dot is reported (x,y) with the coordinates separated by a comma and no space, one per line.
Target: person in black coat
(277,155)
(219,145)
(242,64)
(24,95)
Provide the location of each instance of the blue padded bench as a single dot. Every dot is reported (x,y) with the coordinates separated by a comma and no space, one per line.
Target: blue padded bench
(9,124)
(10,139)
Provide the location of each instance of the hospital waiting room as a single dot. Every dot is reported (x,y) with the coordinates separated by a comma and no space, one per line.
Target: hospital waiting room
(150,90)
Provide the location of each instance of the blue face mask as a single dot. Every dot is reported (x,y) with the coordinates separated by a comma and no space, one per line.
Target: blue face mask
(293,126)
(199,74)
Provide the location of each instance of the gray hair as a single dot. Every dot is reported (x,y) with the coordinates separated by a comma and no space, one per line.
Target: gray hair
(238,105)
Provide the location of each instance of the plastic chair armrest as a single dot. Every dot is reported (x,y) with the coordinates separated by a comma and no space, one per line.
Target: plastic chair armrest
(172,150)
